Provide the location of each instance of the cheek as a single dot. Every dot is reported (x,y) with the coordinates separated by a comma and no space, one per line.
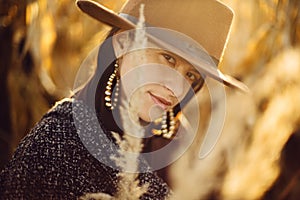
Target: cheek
(133,60)
(126,65)
(133,78)
(149,111)
(136,77)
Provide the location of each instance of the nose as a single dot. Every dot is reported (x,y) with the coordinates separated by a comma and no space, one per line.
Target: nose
(176,83)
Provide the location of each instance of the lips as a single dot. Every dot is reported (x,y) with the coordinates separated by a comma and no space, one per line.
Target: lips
(160,101)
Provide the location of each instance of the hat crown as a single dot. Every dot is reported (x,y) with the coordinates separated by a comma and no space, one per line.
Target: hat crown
(208,22)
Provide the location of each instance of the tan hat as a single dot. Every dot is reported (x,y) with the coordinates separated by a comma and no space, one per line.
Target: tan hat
(207,22)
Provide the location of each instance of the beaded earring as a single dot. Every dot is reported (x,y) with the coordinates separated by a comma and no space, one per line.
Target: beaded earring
(108,92)
(167,129)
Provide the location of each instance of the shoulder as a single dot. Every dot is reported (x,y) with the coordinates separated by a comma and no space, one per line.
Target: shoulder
(51,158)
(55,127)
(59,123)
(50,139)
(57,133)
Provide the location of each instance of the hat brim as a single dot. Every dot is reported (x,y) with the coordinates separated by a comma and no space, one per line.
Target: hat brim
(107,16)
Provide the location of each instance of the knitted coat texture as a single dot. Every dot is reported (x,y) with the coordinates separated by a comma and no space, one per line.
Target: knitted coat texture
(65,157)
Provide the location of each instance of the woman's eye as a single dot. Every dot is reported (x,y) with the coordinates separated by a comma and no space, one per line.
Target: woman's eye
(191,76)
(170,59)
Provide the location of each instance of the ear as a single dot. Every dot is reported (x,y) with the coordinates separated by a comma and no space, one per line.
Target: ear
(121,42)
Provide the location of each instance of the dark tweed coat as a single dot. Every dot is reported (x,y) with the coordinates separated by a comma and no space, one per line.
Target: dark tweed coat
(52,163)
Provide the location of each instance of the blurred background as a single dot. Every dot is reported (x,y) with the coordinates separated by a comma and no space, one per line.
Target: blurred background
(257,156)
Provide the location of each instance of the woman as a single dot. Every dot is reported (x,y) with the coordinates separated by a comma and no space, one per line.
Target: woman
(69,152)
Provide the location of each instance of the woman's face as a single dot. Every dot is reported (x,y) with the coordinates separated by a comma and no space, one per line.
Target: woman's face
(155,80)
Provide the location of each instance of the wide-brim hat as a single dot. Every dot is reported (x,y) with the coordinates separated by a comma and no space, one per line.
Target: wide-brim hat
(207,22)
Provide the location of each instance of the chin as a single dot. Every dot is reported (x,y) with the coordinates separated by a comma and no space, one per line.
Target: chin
(145,118)
(151,114)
